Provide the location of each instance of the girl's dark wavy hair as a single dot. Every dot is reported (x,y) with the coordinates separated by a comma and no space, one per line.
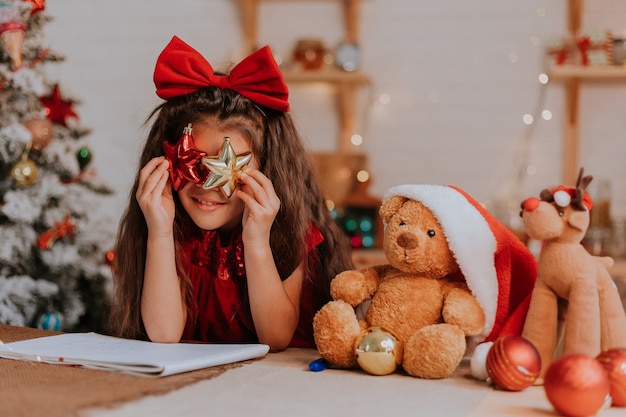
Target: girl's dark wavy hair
(278,147)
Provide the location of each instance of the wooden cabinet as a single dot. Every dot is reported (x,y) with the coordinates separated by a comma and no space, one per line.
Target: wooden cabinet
(572,77)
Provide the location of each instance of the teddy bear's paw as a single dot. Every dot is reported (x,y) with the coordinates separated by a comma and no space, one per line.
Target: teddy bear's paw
(462,309)
(353,287)
(335,328)
(434,352)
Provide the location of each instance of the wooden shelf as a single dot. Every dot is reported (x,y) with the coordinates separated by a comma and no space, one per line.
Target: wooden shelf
(249,10)
(572,77)
(346,83)
(326,76)
(605,73)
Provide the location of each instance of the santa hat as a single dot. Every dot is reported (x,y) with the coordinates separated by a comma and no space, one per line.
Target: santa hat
(497,267)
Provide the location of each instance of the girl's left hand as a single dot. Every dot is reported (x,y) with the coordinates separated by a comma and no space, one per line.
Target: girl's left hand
(262,205)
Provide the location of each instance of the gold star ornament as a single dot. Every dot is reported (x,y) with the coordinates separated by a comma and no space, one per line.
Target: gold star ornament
(226,168)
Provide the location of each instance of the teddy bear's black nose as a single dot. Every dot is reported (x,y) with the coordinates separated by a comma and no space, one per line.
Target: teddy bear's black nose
(407,241)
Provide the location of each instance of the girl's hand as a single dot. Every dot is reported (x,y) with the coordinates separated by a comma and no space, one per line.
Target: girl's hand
(154,195)
(262,204)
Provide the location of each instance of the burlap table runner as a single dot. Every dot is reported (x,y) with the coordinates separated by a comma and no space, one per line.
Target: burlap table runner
(29,389)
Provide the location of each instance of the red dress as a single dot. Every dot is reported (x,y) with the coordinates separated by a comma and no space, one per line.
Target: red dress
(219,310)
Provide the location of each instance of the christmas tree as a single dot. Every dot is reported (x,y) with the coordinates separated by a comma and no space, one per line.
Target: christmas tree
(55,259)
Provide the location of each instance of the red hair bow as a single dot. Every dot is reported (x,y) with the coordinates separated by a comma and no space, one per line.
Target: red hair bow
(180,69)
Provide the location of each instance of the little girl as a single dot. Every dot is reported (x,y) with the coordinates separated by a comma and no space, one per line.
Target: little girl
(226,237)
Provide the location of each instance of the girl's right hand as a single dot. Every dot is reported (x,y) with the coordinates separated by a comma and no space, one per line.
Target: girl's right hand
(154,195)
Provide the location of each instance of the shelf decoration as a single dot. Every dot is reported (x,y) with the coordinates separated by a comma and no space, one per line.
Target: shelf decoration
(560,51)
(309,54)
(347,56)
(594,47)
(619,50)
(587,48)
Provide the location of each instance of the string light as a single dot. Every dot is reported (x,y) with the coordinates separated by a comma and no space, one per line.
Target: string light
(384,98)
(362,176)
(356,139)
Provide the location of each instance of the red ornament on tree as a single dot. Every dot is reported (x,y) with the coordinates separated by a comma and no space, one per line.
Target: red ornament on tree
(61,229)
(57,109)
(109,258)
(38,5)
(577,385)
(513,363)
(614,361)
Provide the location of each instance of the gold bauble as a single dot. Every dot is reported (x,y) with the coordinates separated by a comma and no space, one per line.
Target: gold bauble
(378,351)
(25,172)
(42,131)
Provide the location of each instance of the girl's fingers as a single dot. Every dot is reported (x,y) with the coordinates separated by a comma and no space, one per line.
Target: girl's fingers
(153,180)
(260,187)
(151,174)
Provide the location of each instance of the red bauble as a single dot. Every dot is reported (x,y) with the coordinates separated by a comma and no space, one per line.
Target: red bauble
(513,363)
(614,361)
(577,385)
(109,257)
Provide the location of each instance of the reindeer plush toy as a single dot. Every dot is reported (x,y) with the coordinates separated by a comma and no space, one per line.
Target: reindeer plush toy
(574,294)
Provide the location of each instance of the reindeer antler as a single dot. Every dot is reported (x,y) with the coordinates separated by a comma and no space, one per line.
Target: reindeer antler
(581,186)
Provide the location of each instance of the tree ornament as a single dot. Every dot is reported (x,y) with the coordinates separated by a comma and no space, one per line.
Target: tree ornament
(614,361)
(50,320)
(12,31)
(84,157)
(185,160)
(25,171)
(38,5)
(42,131)
(378,351)
(226,168)
(513,363)
(109,258)
(60,229)
(577,385)
(57,109)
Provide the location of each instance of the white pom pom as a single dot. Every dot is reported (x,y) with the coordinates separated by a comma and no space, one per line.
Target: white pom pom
(562,198)
(478,362)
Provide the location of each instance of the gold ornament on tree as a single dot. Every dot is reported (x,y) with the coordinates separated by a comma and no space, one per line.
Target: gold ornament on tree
(12,31)
(42,131)
(25,171)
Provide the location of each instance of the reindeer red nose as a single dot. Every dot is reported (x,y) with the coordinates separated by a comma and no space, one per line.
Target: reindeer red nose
(530,204)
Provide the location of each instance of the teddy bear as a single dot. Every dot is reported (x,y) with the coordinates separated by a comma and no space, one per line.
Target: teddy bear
(574,296)
(456,277)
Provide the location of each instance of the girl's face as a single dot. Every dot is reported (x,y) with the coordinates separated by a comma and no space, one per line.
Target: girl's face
(211,209)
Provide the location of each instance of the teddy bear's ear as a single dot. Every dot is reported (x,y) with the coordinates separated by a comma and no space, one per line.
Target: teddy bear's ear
(391,207)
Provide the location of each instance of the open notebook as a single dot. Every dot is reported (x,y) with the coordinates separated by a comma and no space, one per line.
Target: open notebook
(134,357)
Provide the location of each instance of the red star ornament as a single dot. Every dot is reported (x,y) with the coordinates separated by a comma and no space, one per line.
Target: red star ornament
(38,5)
(57,109)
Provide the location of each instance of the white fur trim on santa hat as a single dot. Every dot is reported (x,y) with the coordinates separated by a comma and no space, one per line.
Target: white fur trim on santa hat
(469,237)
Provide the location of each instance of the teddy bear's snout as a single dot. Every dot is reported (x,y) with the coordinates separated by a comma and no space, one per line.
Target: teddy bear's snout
(407,241)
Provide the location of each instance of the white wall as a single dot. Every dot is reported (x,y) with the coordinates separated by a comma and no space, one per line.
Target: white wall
(460,74)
